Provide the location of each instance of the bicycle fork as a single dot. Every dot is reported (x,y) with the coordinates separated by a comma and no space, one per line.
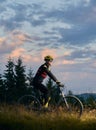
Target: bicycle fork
(66,103)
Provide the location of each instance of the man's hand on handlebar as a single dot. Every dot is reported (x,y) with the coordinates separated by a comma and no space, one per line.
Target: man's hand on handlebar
(59,84)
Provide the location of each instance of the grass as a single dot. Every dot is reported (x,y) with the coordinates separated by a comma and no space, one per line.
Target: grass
(17,118)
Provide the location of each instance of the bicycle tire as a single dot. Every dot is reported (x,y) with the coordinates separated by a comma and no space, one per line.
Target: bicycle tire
(72,105)
(30,102)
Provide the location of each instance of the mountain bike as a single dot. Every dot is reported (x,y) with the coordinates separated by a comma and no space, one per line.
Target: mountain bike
(66,103)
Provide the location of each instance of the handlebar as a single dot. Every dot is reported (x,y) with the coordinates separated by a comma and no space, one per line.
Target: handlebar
(61,85)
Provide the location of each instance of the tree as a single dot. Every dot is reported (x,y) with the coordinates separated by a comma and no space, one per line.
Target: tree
(91,102)
(9,80)
(54,91)
(70,92)
(20,78)
(30,77)
(2,89)
(1,81)
(49,84)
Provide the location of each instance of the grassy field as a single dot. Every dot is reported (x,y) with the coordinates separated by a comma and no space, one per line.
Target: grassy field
(17,118)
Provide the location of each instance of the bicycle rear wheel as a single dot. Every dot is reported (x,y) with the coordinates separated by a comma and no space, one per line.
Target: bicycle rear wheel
(29,102)
(71,105)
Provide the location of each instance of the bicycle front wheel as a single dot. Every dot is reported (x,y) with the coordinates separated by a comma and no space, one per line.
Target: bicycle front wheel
(29,102)
(72,105)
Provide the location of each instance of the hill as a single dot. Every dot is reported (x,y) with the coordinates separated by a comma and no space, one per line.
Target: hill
(85,96)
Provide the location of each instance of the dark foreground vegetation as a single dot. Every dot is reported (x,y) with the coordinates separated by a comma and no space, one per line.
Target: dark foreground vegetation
(17,118)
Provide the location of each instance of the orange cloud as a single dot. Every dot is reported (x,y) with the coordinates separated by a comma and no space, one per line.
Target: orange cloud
(20,37)
(17,52)
(67,53)
(1,40)
(21,52)
(13,40)
(68,62)
(51,52)
(31,58)
(10,42)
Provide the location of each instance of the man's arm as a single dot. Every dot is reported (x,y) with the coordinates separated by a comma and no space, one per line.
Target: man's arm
(50,74)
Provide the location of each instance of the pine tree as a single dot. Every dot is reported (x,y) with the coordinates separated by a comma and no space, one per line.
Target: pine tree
(30,76)
(2,89)
(1,81)
(9,80)
(70,92)
(49,84)
(54,91)
(20,78)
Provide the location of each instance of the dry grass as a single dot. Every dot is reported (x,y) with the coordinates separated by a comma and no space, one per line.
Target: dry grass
(17,118)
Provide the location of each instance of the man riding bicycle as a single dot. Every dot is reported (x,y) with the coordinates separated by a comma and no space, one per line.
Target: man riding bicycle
(41,74)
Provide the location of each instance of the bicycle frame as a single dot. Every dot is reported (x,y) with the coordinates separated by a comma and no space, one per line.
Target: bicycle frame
(63,97)
(74,99)
(67,102)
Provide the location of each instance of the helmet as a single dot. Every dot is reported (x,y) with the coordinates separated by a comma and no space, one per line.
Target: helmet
(48,58)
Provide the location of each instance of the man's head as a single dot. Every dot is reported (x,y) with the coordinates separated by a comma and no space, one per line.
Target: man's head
(48,59)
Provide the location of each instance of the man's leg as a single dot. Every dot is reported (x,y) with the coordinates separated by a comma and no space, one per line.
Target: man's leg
(45,91)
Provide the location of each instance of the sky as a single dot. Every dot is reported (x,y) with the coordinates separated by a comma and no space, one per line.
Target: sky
(64,29)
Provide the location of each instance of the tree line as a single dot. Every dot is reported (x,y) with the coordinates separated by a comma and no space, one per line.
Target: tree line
(14,82)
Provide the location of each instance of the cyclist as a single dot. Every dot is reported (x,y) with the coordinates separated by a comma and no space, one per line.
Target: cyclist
(41,74)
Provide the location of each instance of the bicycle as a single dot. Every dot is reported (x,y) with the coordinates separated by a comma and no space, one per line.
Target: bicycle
(66,103)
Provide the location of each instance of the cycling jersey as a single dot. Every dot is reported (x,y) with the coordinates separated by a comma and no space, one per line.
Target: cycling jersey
(42,73)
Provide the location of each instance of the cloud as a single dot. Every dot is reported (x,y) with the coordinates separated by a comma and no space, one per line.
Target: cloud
(6,46)
(85,54)
(21,52)
(81,33)
(14,14)
(67,15)
(27,58)
(47,51)
(66,30)
(2,1)
(12,41)
(17,52)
